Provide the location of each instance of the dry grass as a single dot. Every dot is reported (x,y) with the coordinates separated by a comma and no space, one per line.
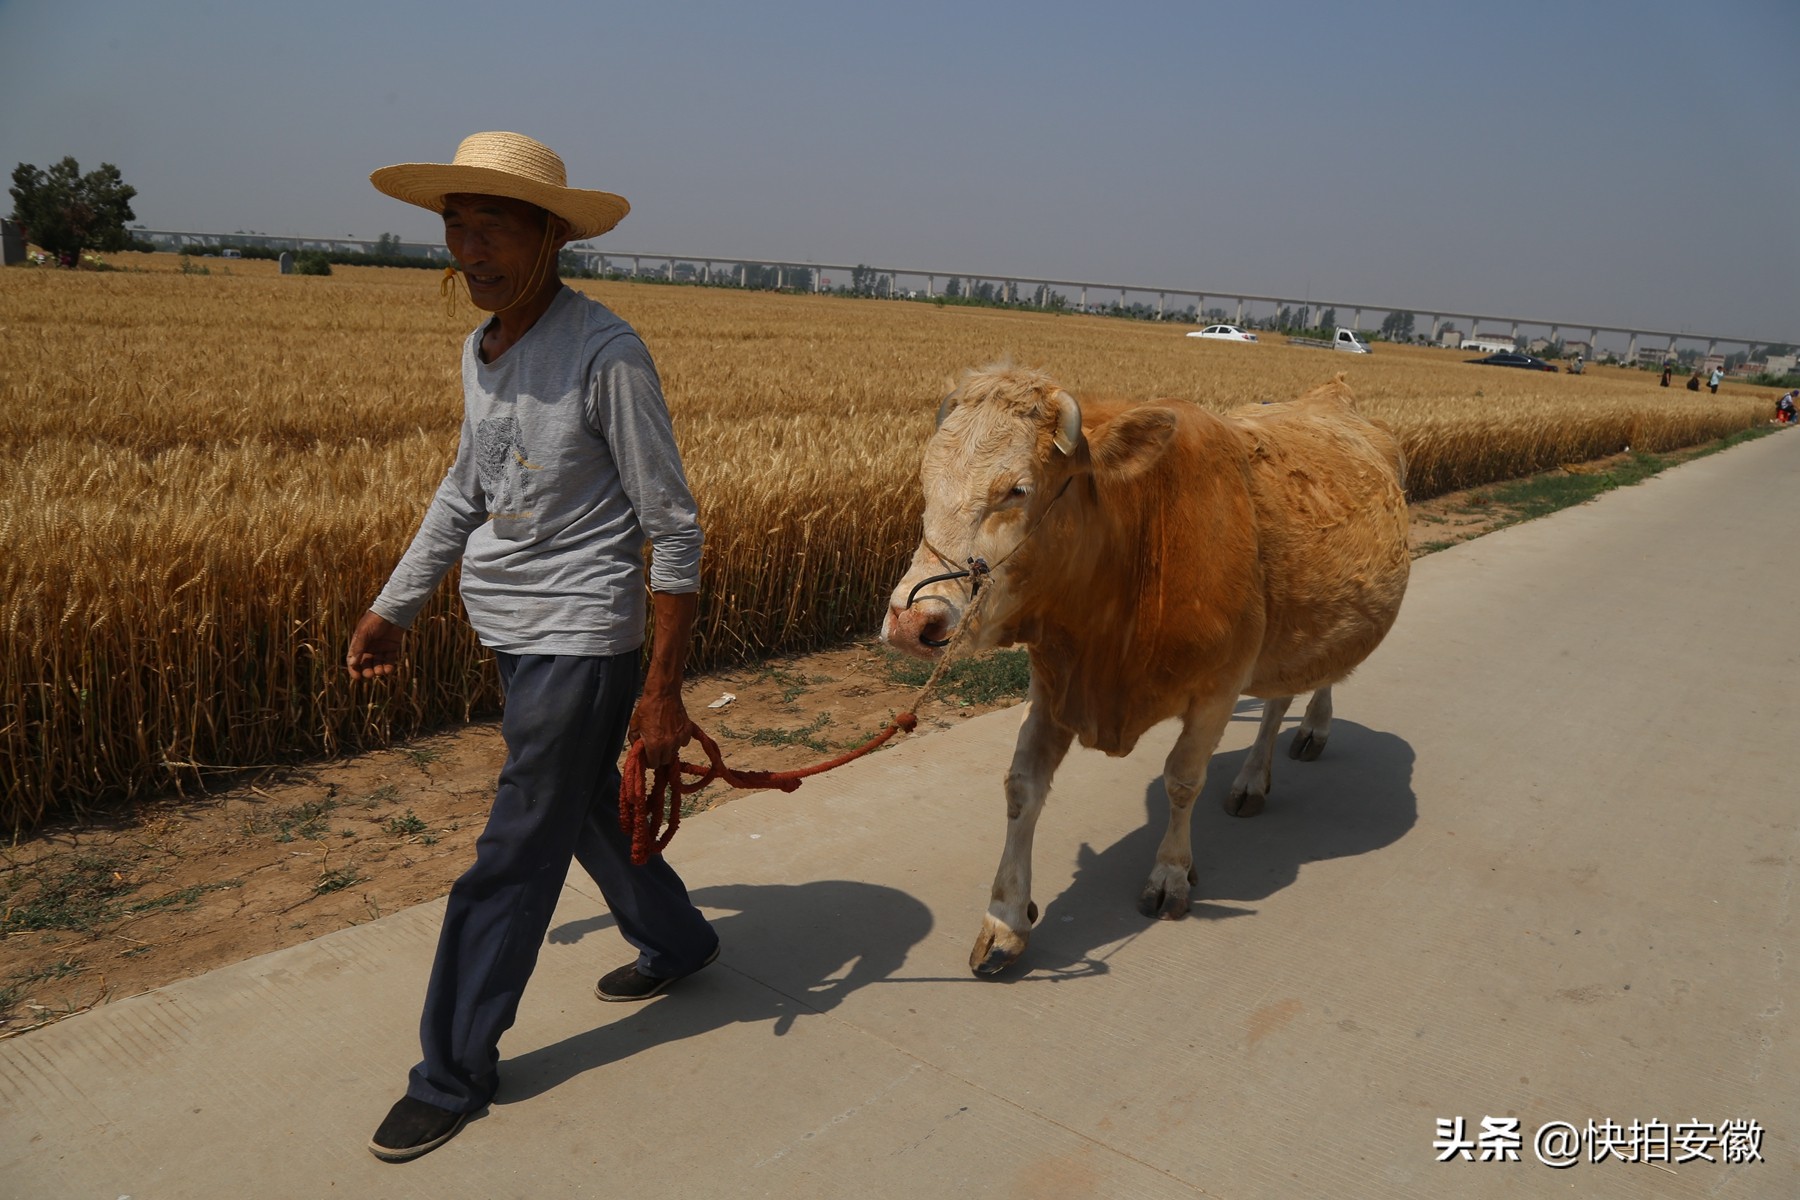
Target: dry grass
(211,476)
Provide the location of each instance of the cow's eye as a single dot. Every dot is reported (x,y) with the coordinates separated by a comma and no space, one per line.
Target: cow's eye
(1017,490)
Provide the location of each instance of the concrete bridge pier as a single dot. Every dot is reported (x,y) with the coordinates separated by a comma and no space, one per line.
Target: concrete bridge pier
(1161,299)
(1240,311)
(1631,349)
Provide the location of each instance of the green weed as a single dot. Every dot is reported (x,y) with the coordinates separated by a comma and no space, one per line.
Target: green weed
(987,679)
(183,898)
(335,880)
(15,987)
(387,793)
(76,893)
(806,735)
(405,826)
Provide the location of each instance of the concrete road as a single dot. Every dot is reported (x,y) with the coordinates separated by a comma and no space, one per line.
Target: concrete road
(1545,871)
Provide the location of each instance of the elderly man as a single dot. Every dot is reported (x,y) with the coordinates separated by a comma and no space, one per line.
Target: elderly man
(566,466)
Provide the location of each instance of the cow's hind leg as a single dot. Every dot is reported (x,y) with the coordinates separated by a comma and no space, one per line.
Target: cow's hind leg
(1007,925)
(1165,895)
(1250,791)
(1315,727)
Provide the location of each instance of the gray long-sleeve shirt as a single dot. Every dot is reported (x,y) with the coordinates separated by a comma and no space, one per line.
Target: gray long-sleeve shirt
(567,465)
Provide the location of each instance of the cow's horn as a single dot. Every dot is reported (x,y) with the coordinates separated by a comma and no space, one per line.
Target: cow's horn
(1068,423)
(944,408)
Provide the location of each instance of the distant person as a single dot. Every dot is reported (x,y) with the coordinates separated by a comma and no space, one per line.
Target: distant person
(1668,370)
(1715,379)
(1577,366)
(566,467)
(1785,413)
(1693,383)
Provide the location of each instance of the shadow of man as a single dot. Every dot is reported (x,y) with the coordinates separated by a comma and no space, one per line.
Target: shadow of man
(1357,799)
(813,944)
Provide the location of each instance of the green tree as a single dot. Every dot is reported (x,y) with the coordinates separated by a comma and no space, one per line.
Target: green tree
(67,212)
(1328,321)
(1398,326)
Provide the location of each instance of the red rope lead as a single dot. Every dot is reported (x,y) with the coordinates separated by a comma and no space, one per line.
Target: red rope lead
(652,814)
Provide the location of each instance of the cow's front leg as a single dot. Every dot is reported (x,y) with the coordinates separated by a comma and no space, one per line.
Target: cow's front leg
(1184,774)
(1250,791)
(1007,925)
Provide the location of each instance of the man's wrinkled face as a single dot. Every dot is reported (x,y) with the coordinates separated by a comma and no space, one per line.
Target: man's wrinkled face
(498,241)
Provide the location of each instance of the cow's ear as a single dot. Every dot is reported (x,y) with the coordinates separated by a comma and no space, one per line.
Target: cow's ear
(1132,442)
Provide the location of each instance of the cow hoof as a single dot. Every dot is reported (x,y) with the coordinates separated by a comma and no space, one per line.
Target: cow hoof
(1244,804)
(997,947)
(1165,897)
(1306,746)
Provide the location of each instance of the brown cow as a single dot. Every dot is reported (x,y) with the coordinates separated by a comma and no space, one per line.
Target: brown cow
(1159,561)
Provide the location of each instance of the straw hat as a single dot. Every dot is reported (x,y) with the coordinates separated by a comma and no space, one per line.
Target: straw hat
(505,164)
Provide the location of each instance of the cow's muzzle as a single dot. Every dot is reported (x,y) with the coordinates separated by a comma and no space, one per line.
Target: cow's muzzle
(978,570)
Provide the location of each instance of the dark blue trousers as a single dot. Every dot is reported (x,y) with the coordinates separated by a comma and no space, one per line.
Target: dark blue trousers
(558,798)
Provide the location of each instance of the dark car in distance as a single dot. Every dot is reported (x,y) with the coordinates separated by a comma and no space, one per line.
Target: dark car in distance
(1506,359)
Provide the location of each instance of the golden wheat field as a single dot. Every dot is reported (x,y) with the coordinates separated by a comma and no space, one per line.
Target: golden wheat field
(209,477)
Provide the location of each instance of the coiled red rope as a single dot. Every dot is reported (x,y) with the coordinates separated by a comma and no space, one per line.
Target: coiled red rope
(651,814)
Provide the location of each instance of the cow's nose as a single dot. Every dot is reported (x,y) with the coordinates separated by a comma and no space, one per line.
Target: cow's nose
(922,630)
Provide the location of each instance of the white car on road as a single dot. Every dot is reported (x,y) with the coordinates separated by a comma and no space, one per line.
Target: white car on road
(1223,333)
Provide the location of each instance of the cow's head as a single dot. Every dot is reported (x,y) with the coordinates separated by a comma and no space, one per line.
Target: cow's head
(1008,446)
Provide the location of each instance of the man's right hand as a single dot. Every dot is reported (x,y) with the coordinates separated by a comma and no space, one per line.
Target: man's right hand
(374,647)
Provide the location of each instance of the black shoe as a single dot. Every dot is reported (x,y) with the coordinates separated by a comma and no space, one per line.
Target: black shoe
(412,1128)
(628,983)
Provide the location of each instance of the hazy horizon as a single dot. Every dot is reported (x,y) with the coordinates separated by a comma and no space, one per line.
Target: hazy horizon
(1627,164)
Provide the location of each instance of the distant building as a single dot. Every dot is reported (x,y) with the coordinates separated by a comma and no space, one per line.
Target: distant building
(1449,335)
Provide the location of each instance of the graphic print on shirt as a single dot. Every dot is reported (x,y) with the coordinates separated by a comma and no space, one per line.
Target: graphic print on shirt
(501,459)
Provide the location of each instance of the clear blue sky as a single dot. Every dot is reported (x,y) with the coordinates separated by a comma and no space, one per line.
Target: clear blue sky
(1629,163)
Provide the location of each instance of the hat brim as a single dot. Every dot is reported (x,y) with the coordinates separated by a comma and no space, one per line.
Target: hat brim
(589,213)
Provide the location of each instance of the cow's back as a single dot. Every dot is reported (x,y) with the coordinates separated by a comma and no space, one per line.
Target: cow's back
(1328,486)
